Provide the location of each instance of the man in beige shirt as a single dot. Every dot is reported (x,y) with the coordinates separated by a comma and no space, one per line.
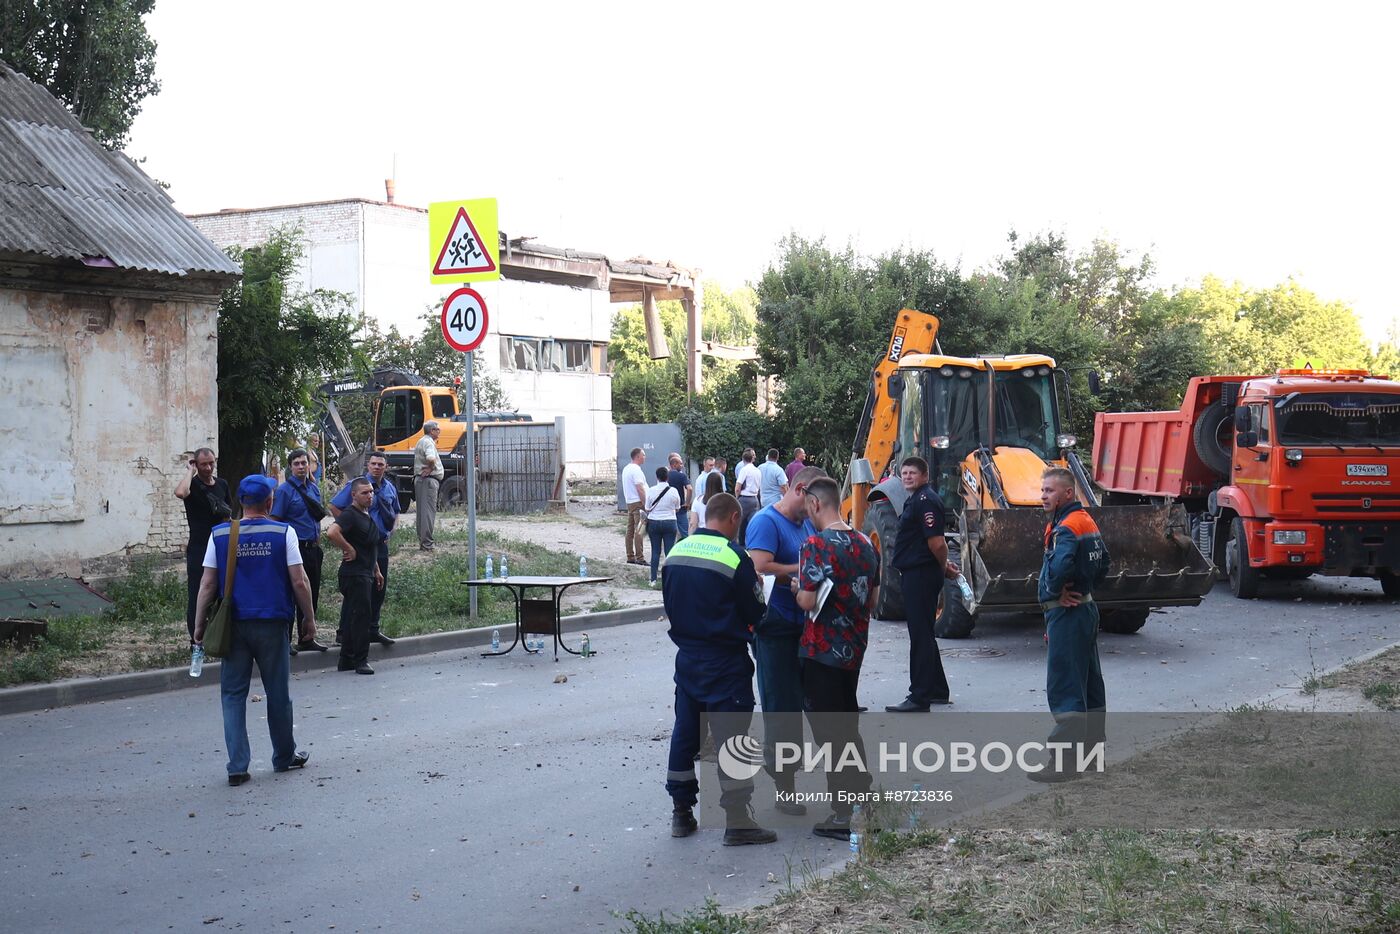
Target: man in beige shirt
(427,476)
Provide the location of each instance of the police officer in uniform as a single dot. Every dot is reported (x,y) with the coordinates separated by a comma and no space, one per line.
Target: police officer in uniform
(297,502)
(921,556)
(268,581)
(713,599)
(1076,562)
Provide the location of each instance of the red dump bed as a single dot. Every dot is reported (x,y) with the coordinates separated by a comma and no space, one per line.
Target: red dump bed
(1152,453)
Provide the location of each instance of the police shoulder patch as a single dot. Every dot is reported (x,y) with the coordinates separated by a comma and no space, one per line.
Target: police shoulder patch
(929,519)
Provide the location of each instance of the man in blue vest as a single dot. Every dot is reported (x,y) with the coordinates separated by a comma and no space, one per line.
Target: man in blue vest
(297,502)
(268,581)
(1076,561)
(713,599)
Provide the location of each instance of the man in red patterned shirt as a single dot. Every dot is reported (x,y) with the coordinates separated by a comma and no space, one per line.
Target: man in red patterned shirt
(834,636)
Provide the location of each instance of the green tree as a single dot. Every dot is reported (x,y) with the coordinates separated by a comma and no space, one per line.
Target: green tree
(94,55)
(275,346)
(1385,359)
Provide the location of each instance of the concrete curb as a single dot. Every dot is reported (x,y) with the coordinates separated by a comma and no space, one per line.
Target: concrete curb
(114,687)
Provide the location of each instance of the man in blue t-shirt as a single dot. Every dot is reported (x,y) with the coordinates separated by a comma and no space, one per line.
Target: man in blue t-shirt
(297,502)
(773,480)
(774,541)
(385,513)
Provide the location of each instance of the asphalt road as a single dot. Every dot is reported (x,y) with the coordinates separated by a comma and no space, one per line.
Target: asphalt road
(458,793)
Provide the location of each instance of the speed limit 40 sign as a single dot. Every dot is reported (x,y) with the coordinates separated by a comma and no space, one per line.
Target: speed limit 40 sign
(464,319)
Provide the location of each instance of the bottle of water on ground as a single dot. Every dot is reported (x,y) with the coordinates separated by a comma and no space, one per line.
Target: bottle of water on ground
(495,640)
(857,831)
(916,806)
(585,649)
(490,568)
(582,566)
(505,568)
(966,589)
(197,661)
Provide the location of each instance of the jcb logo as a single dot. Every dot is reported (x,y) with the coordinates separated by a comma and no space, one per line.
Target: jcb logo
(897,345)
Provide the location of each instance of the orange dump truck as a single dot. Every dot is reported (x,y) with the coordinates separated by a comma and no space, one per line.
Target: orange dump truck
(1284,476)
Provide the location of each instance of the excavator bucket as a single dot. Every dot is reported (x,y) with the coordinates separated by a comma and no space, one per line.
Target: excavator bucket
(1152,560)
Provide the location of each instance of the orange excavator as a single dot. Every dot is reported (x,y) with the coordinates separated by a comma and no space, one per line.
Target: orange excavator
(988,427)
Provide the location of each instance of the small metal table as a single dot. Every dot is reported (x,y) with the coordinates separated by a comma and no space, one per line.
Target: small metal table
(536,615)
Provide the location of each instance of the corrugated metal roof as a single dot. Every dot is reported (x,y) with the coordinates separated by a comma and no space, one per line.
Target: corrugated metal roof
(63,195)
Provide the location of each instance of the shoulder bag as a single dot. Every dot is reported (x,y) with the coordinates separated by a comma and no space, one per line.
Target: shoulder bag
(218,635)
(315,510)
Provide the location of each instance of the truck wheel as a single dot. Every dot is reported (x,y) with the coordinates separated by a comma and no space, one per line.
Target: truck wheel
(452,494)
(1390,583)
(1244,580)
(882,525)
(1123,622)
(1212,440)
(954,621)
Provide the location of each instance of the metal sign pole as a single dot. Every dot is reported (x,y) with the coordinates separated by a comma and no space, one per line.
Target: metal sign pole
(471,476)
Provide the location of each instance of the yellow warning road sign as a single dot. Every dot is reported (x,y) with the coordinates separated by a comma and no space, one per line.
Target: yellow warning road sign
(463,241)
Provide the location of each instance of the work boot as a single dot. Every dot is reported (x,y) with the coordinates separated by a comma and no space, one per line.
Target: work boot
(683,822)
(743,830)
(835,827)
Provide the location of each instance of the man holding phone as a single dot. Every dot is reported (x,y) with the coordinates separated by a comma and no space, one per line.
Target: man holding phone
(207,503)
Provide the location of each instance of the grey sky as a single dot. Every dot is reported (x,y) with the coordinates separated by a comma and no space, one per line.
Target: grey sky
(1254,141)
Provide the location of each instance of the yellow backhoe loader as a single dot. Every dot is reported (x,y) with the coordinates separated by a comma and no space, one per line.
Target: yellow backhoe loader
(988,427)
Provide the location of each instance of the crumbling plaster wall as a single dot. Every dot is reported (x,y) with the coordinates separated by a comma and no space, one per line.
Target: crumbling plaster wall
(104,398)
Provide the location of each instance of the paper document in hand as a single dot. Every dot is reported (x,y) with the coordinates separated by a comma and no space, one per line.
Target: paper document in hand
(768,581)
(823,592)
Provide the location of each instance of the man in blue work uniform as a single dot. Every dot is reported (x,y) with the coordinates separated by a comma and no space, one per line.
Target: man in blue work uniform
(385,513)
(1076,561)
(713,599)
(297,502)
(921,556)
(268,579)
(774,539)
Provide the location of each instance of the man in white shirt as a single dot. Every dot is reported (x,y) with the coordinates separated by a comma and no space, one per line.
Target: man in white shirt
(747,482)
(427,477)
(634,488)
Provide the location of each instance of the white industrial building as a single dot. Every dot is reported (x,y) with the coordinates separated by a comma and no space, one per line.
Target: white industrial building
(550,313)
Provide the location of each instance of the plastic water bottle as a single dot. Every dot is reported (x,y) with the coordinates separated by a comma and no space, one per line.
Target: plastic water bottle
(966,589)
(857,830)
(490,568)
(197,661)
(585,648)
(582,566)
(505,568)
(915,811)
(495,640)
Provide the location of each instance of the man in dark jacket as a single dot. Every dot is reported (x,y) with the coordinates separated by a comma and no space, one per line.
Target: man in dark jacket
(713,599)
(1076,562)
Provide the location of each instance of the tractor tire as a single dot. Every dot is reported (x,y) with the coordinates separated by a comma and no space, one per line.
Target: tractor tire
(1390,583)
(1123,622)
(1244,579)
(954,620)
(882,525)
(1213,450)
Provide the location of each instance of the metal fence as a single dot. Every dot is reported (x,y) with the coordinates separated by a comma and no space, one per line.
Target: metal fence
(522,467)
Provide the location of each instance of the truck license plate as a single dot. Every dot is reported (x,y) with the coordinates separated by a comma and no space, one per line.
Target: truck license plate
(1367,470)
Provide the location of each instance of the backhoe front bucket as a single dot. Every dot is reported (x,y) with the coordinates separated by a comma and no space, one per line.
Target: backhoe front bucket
(1152,560)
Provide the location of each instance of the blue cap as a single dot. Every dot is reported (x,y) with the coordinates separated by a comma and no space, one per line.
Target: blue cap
(255,489)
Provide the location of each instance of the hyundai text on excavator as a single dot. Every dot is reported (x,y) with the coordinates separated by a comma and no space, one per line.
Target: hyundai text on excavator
(1284,476)
(402,404)
(988,427)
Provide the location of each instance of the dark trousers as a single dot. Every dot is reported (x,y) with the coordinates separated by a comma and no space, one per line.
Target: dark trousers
(1073,677)
(312,559)
(780,691)
(355,615)
(748,505)
(681,783)
(832,712)
(377,600)
(194,573)
(663,536)
(922,587)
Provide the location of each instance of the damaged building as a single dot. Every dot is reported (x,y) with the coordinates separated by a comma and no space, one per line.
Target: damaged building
(108,346)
